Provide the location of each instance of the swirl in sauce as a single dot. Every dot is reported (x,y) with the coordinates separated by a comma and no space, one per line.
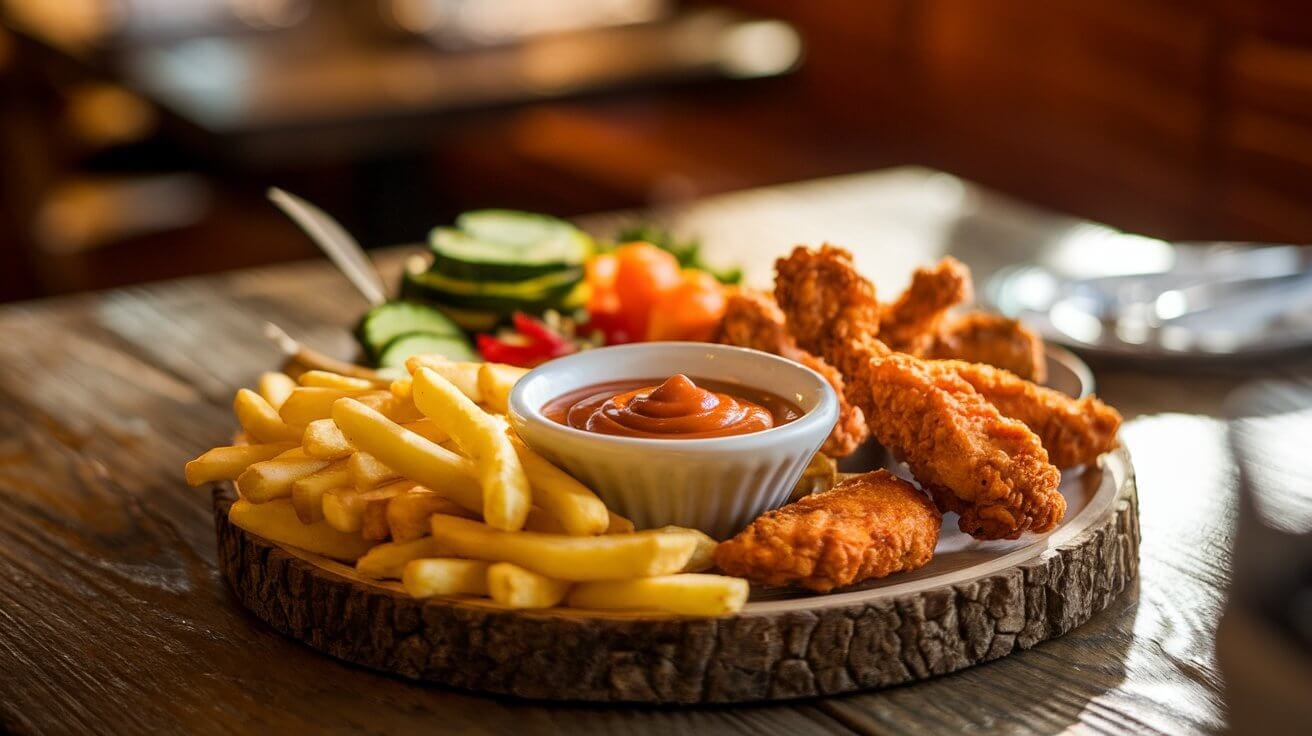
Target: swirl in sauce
(677,408)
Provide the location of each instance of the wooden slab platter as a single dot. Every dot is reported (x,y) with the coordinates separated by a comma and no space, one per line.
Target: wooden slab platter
(976,601)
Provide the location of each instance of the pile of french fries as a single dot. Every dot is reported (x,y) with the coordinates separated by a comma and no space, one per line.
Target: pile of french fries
(420,479)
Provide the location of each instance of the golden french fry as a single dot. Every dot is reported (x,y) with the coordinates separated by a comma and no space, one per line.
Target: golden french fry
(323,440)
(428,577)
(367,472)
(563,557)
(495,381)
(277,522)
(400,388)
(409,512)
(429,430)
(374,524)
(275,387)
(514,587)
(506,496)
(398,410)
(407,453)
(387,561)
(689,594)
(820,475)
(328,379)
(618,524)
(264,481)
(343,508)
(226,463)
(576,507)
(308,403)
(260,420)
(464,376)
(540,521)
(703,557)
(307,492)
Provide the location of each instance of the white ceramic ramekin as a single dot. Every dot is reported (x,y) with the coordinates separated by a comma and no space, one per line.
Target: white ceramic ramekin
(718,484)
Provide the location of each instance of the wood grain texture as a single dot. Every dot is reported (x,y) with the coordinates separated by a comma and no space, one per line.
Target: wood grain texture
(741,658)
(114,617)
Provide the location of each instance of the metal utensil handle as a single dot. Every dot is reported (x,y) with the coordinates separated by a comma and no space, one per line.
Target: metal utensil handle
(332,238)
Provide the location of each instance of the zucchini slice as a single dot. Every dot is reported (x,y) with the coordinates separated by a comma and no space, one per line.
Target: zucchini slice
(503,297)
(385,321)
(455,347)
(504,245)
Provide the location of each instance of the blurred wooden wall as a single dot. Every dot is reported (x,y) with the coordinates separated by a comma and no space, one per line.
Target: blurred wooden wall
(1180,118)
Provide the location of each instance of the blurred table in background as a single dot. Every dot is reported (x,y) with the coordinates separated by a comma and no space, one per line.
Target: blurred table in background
(117,619)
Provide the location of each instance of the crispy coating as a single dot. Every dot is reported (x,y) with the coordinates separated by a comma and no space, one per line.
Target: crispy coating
(866,527)
(1073,431)
(989,468)
(909,325)
(980,337)
(753,320)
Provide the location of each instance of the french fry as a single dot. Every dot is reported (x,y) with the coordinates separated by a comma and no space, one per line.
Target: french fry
(343,508)
(563,557)
(265,481)
(506,496)
(407,453)
(423,578)
(323,440)
(540,521)
(275,387)
(429,430)
(573,504)
(328,379)
(400,388)
(398,410)
(409,512)
(494,383)
(367,472)
(308,403)
(260,420)
(374,524)
(514,587)
(387,561)
(464,376)
(618,524)
(689,594)
(277,522)
(307,492)
(703,557)
(226,463)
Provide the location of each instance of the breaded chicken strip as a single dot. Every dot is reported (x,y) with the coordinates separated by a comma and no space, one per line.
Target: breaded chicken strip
(910,324)
(1073,431)
(866,527)
(753,320)
(980,337)
(953,439)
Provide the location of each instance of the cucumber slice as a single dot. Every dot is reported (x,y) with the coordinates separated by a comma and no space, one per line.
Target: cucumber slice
(385,321)
(503,245)
(501,297)
(455,347)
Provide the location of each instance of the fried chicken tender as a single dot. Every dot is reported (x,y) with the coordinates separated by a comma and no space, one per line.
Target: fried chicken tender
(910,324)
(990,469)
(980,337)
(866,527)
(753,320)
(1073,431)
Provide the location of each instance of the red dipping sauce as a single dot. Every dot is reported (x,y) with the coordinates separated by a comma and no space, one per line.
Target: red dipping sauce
(676,408)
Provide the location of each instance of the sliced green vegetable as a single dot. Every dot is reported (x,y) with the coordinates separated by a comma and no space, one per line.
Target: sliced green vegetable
(455,347)
(504,245)
(503,297)
(386,321)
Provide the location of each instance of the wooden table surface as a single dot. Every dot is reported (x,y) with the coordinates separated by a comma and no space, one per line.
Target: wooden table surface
(113,617)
